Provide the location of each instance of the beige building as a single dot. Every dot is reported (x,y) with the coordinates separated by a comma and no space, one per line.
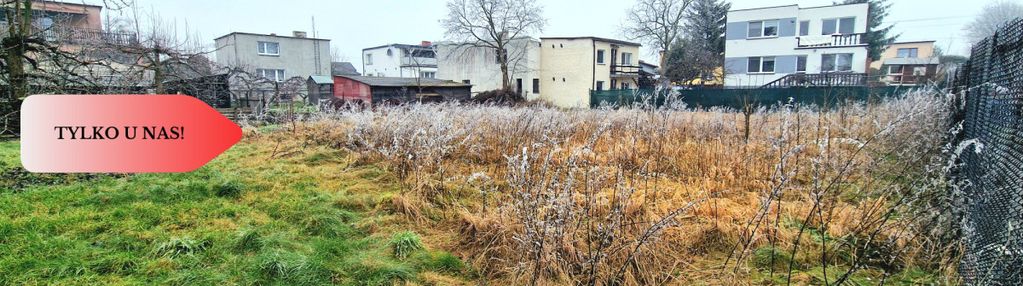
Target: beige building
(908,64)
(571,67)
(921,49)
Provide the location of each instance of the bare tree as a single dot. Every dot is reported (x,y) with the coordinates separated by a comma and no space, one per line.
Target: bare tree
(994,16)
(32,54)
(163,53)
(482,63)
(659,23)
(493,24)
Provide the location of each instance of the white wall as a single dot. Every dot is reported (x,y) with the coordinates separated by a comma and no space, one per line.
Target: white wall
(390,65)
(459,62)
(787,45)
(382,64)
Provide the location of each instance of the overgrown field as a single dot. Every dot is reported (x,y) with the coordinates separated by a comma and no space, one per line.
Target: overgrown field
(455,194)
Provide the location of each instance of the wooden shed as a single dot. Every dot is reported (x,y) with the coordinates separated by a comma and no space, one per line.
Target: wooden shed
(394,90)
(321,87)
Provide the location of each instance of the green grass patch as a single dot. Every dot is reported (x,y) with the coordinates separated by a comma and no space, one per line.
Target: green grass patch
(242,219)
(405,243)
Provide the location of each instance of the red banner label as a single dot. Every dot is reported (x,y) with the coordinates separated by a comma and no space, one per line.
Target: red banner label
(121,133)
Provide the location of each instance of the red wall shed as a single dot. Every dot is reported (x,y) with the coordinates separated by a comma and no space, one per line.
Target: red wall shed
(350,90)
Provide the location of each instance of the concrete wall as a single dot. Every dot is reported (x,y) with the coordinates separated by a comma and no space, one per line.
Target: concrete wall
(297,55)
(925,50)
(385,65)
(458,62)
(568,70)
(784,47)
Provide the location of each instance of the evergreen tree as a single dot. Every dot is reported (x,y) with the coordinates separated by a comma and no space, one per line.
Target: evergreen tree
(878,36)
(705,24)
(701,49)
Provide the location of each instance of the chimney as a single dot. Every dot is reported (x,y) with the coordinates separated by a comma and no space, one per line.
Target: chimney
(426,43)
(299,34)
(273,34)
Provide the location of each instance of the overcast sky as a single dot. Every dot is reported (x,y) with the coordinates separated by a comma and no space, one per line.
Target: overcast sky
(354,25)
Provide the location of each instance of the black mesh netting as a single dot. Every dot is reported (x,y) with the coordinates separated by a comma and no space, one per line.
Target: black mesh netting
(992,159)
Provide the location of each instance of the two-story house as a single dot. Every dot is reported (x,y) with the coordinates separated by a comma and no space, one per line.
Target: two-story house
(481,68)
(274,57)
(400,60)
(908,63)
(792,45)
(77,31)
(70,25)
(572,67)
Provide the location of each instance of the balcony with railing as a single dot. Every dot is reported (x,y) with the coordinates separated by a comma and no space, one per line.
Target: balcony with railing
(418,62)
(831,41)
(69,35)
(625,70)
(821,79)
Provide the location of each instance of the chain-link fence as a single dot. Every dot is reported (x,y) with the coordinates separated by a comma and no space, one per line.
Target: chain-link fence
(991,154)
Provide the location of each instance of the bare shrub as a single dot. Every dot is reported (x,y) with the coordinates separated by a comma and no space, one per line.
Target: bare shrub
(658,195)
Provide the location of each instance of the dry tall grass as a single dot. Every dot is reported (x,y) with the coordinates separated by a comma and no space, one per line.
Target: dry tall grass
(536,195)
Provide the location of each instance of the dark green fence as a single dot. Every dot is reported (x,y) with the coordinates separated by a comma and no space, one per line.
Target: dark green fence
(739,98)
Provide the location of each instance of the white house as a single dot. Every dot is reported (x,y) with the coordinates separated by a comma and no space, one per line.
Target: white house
(770,45)
(399,60)
(480,67)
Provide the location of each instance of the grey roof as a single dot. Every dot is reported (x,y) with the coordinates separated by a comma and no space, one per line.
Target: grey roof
(269,35)
(343,68)
(322,79)
(599,39)
(912,61)
(913,42)
(404,81)
(400,46)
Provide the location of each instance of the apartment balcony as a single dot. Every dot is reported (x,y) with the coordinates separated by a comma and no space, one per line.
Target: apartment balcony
(625,71)
(831,41)
(418,62)
(67,35)
(821,79)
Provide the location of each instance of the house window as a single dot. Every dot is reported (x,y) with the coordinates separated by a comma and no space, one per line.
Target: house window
(271,74)
(600,56)
(465,81)
(801,64)
(626,59)
(895,70)
(761,65)
(600,85)
(369,59)
(761,29)
(907,53)
(625,85)
(843,26)
(536,85)
(269,48)
(836,62)
(428,74)
(804,28)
